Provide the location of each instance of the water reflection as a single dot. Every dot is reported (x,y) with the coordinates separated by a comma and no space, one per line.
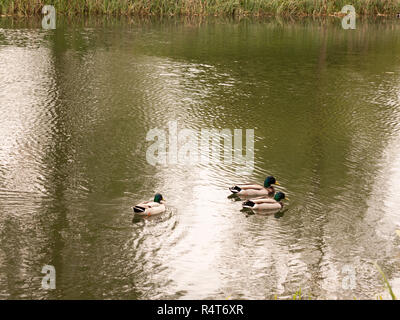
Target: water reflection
(76,104)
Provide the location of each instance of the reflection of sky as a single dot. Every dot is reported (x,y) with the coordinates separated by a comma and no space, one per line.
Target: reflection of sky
(390,182)
(26,98)
(385,200)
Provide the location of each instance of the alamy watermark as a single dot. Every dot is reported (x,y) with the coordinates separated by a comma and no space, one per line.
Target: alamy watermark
(49,280)
(191,147)
(349,20)
(349,277)
(49,19)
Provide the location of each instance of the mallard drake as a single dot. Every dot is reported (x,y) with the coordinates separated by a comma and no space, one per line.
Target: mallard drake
(255,190)
(148,208)
(266,203)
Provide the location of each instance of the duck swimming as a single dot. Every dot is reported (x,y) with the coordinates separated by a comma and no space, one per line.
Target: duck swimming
(256,190)
(148,208)
(266,203)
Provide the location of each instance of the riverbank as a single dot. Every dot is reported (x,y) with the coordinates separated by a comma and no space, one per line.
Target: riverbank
(200,7)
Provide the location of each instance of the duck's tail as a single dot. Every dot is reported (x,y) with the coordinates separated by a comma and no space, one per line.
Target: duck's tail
(248,204)
(138,209)
(235,189)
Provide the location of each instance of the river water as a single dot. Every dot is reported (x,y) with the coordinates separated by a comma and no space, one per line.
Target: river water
(77,102)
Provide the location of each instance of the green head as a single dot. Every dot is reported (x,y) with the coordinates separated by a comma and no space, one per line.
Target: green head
(279,196)
(269,181)
(158,197)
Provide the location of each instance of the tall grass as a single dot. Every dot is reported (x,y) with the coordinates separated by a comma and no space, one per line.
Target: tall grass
(198,7)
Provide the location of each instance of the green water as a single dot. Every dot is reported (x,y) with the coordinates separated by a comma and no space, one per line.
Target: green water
(77,102)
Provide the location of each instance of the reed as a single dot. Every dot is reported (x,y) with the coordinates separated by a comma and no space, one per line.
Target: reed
(199,7)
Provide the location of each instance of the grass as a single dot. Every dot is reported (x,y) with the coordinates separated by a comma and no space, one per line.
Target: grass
(198,7)
(385,280)
(297,295)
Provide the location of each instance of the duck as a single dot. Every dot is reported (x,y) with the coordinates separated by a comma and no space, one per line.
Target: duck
(266,203)
(256,190)
(149,208)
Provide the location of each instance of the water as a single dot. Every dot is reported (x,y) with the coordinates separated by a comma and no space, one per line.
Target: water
(77,102)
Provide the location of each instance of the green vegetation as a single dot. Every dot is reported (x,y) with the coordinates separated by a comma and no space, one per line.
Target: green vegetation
(385,280)
(199,7)
(297,295)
